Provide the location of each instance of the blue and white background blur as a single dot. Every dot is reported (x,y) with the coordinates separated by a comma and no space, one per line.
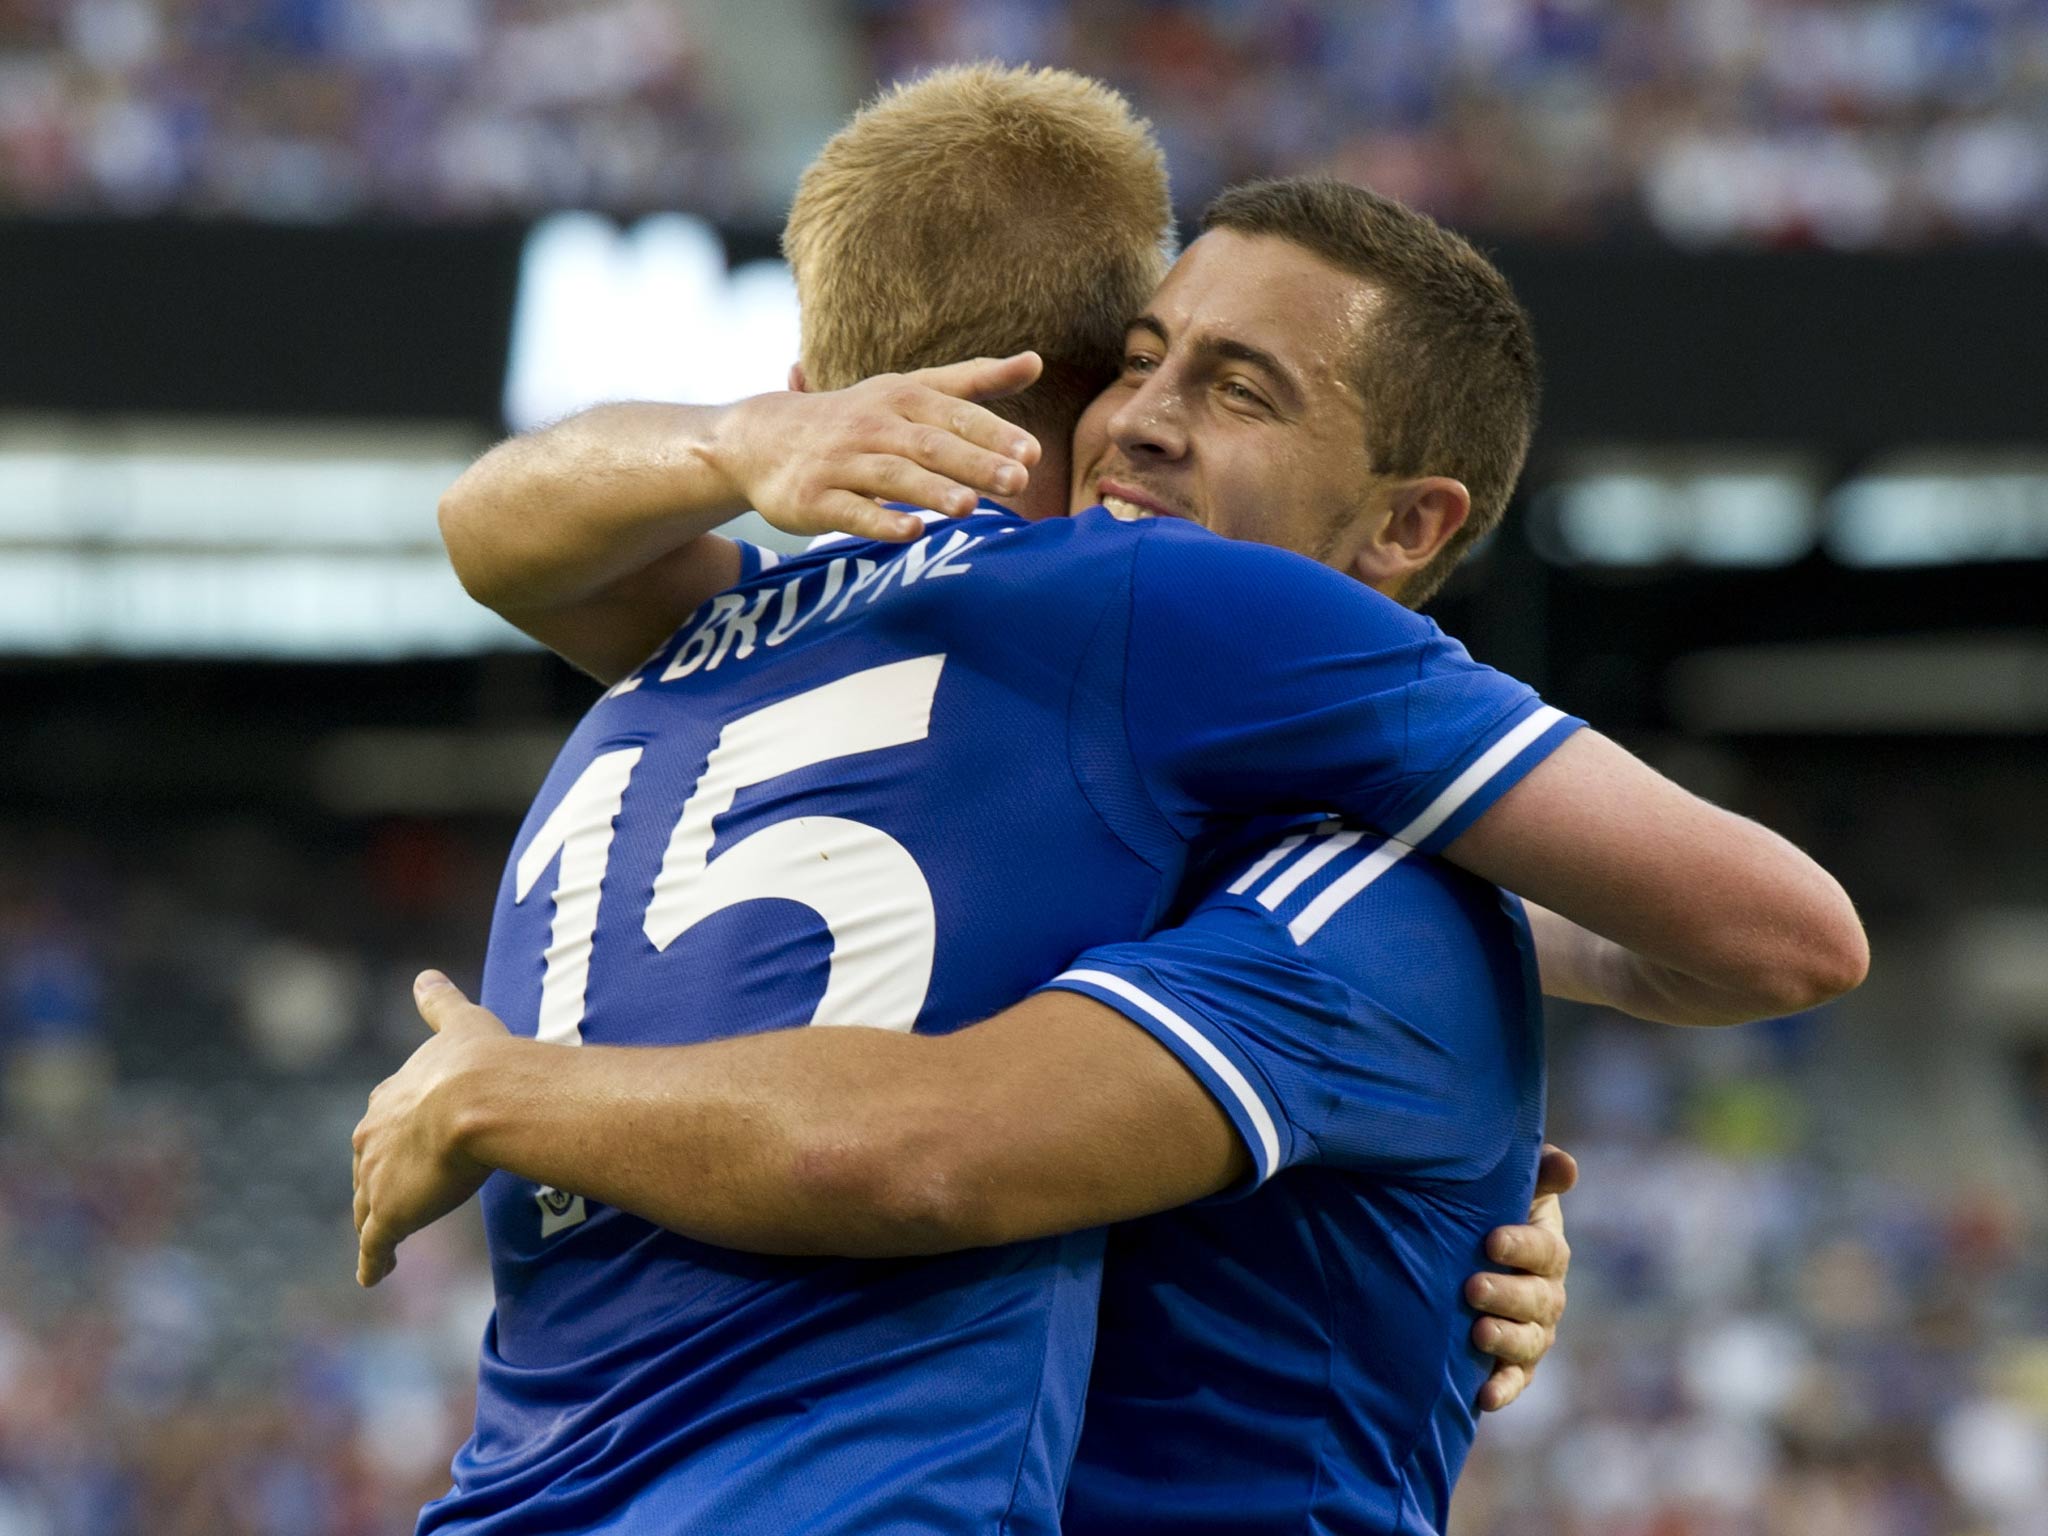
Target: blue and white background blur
(272,271)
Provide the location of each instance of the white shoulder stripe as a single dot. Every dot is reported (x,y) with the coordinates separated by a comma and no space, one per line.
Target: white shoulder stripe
(1473,779)
(1279,851)
(1344,887)
(1305,866)
(1312,917)
(1221,1065)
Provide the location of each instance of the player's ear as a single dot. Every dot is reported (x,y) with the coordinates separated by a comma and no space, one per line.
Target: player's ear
(798,384)
(1422,516)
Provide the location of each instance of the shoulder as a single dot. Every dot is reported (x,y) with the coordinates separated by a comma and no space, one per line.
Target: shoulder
(1405,929)
(1186,575)
(1054,549)
(1347,1003)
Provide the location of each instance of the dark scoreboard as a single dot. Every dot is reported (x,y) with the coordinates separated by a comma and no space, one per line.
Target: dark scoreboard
(1849,352)
(1841,362)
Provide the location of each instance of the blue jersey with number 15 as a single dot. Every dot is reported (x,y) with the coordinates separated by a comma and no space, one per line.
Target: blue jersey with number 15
(893,785)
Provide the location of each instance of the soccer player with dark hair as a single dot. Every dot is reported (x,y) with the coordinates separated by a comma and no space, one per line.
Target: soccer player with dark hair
(900,785)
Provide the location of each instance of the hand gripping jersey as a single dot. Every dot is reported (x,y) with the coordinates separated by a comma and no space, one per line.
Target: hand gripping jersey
(890,785)
(1298,1361)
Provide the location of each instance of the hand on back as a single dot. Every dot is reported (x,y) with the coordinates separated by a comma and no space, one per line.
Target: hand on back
(824,462)
(1520,1309)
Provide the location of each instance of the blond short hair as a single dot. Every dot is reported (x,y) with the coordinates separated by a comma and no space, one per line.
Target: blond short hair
(981,211)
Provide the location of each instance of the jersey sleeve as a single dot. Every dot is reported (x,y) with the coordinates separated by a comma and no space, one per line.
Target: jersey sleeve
(1256,680)
(1395,1033)
(755,558)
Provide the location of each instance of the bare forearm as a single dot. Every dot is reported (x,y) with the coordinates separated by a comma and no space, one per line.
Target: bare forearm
(1718,901)
(732,1142)
(1582,967)
(1053,1116)
(554,516)
(591,534)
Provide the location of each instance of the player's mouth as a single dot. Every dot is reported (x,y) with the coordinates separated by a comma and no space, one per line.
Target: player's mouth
(1128,505)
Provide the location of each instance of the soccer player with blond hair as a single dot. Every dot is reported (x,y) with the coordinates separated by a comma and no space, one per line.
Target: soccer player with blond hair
(903,778)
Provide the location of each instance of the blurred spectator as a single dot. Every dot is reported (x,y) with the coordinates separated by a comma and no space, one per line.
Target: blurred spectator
(299,1004)
(1761,1342)
(55,1064)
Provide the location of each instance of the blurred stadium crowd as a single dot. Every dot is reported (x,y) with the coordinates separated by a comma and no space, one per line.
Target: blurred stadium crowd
(1765,1340)
(1781,122)
(331,109)
(1769,1336)
(1850,123)
(190,1028)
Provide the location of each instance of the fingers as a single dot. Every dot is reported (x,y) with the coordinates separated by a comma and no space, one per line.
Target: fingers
(437,999)
(866,518)
(1503,1387)
(904,479)
(1557,1173)
(376,1255)
(972,424)
(973,452)
(369,1260)
(983,378)
(444,1008)
(1523,1310)
(917,438)
(1516,1343)
(947,398)
(1536,1249)
(1517,1298)
(355,1174)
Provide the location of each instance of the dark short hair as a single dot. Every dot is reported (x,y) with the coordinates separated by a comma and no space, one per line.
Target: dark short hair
(1448,376)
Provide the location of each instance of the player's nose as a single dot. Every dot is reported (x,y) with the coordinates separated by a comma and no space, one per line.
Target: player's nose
(1151,424)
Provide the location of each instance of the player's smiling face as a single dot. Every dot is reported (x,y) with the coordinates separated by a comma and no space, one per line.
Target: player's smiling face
(1236,408)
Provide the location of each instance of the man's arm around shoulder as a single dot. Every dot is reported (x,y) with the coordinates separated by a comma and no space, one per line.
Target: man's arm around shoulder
(864,1142)
(1703,916)
(592,535)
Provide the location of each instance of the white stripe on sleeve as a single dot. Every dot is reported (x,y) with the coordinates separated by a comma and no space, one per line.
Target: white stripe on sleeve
(1473,779)
(1292,879)
(1221,1065)
(1279,851)
(1435,814)
(1344,887)
(1250,877)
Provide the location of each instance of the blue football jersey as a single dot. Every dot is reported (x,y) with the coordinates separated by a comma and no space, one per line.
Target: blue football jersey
(1298,1360)
(899,786)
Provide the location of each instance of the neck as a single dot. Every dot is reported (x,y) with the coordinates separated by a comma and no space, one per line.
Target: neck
(1046,496)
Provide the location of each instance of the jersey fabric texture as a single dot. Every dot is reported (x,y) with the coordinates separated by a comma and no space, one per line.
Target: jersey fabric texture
(899,785)
(1298,1360)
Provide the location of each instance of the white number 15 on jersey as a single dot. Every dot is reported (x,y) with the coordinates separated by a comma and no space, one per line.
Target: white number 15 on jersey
(863,884)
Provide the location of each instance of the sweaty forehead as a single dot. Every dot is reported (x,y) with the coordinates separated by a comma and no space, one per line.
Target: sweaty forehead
(1271,294)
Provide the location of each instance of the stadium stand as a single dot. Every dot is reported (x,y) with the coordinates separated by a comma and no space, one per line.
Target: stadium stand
(1745,122)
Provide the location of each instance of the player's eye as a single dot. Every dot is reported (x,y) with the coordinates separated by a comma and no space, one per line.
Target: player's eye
(1139,362)
(1240,393)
